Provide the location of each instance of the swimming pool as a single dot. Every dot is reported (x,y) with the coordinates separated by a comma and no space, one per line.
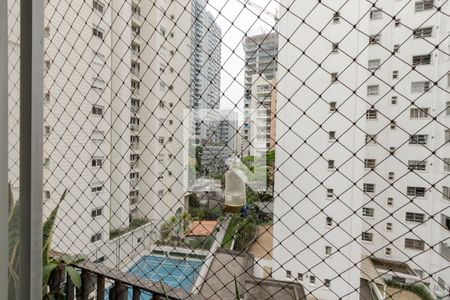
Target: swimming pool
(174,272)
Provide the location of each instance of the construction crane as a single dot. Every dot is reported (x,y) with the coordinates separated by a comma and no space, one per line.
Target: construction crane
(262,9)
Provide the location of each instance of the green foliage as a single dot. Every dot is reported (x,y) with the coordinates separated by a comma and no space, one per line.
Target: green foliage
(236,288)
(229,234)
(50,265)
(135,223)
(418,289)
(193,201)
(47,231)
(198,161)
(206,214)
(245,233)
(13,246)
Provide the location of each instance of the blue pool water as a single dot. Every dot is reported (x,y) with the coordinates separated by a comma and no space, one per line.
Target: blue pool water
(174,272)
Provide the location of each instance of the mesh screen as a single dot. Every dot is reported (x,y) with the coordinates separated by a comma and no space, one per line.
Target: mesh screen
(246,149)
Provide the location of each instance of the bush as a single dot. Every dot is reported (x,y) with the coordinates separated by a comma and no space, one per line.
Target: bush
(245,233)
(418,289)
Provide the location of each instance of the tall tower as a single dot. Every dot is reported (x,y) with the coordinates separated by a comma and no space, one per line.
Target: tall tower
(261,57)
(370,176)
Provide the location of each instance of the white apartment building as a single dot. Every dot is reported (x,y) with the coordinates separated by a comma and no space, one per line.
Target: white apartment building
(206,58)
(383,138)
(261,60)
(262,117)
(115,87)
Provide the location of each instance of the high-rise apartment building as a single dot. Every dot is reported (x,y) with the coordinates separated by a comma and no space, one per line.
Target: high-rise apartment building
(116,83)
(206,58)
(371,175)
(261,56)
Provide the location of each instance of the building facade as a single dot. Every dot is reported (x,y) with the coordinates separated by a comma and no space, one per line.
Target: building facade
(114,95)
(261,60)
(379,122)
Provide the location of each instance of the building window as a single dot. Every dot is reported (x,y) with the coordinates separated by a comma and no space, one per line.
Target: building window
(98,32)
(329,221)
(47,194)
(369,188)
(96,212)
(368,212)
(415,217)
(423,5)
(333,106)
(393,125)
(391,176)
(418,139)
(332,135)
(371,139)
(445,221)
(376,14)
(96,237)
(370,163)
(446,192)
(415,191)
(97,162)
(446,164)
(395,74)
(423,32)
(47,64)
(447,109)
(98,84)
(135,87)
(162,30)
(47,130)
(396,48)
(419,113)
(161,140)
(312,279)
(414,244)
(336,17)
(47,97)
(160,193)
(327,250)
(135,48)
(97,110)
(300,276)
(97,136)
(421,60)
(394,100)
(97,5)
(392,150)
(374,64)
(335,47)
(327,283)
(388,251)
(97,187)
(46,162)
(330,193)
(373,90)
(417,165)
(397,22)
(334,77)
(445,251)
(135,29)
(389,226)
(367,236)
(289,274)
(375,39)
(371,114)
(447,136)
(331,164)
(390,201)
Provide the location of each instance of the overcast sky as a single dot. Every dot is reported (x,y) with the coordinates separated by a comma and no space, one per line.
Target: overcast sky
(244,21)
